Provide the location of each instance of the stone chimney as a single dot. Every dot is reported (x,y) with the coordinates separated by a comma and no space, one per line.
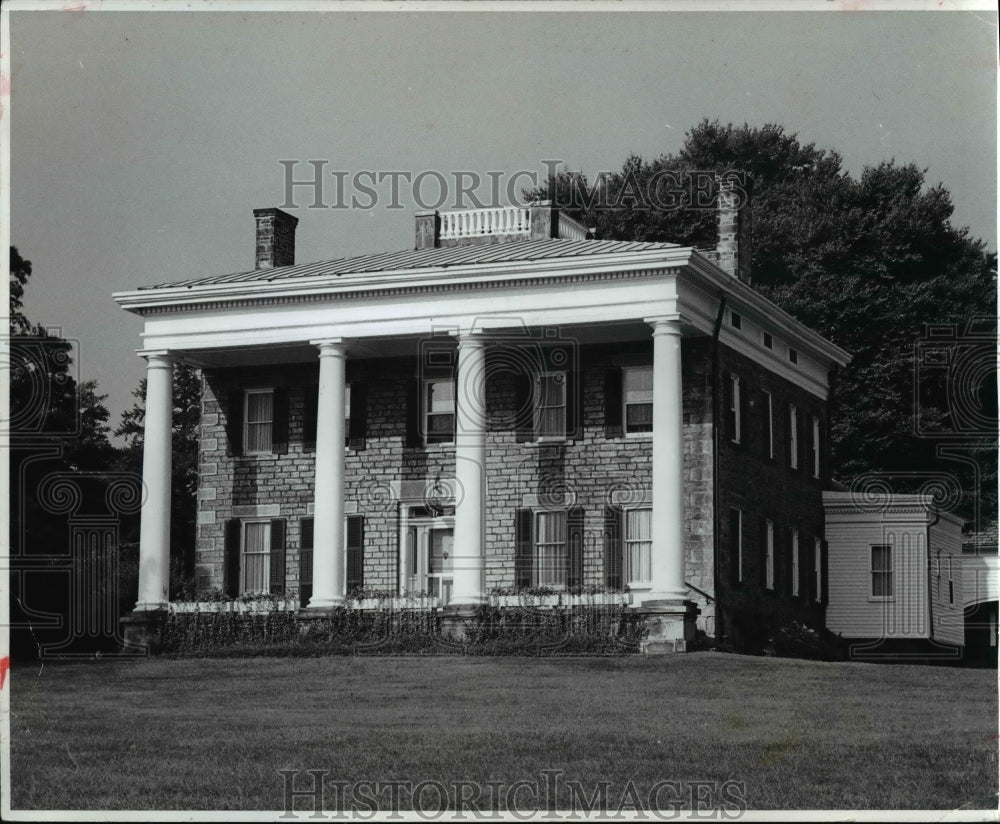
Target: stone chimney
(733,246)
(501,224)
(275,238)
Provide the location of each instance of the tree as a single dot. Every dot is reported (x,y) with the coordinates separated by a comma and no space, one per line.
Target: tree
(184,467)
(869,262)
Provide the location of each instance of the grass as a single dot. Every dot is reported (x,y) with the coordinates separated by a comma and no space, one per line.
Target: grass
(212,734)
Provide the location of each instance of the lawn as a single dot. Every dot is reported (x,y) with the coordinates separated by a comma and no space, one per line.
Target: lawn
(784,734)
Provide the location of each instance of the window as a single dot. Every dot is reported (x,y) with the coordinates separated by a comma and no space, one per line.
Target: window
(793,437)
(255,566)
(951,582)
(736,544)
(439,411)
(818,570)
(881,570)
(550,549)
(735,424)
(769,554)
(638,546)
(347,415)
(767,413)
(258,419)
(795,563)
(638,398)
(768,341)
(815,447)
(737,321)
(793,355)
(550,405)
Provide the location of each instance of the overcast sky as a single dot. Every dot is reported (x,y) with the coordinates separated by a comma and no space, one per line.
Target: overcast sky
(141,142)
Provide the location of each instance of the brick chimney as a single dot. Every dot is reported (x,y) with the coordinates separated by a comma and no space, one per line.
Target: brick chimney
(275,238)
(733,246)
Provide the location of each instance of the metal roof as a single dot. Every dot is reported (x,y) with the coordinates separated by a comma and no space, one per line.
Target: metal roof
(430,258)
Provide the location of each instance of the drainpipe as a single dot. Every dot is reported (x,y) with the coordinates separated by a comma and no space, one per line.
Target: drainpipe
(719,622)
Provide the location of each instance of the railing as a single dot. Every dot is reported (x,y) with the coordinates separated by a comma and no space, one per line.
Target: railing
(508,220)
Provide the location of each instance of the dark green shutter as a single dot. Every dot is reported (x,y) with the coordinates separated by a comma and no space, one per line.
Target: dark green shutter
(762,551)
(234,422)
(613,424)
(310,415)
(359,417)
(574,527)
(729,428)
(414,436)
(524,411)
(277,582)
(735,518)
(355,552)
(232,558)
(613,547)
(574,412)
(279,421)
(522,547)
(305,561)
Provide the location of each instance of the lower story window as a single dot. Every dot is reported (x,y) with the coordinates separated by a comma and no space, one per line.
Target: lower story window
(638,546)
(255,568)
(550,549)
(881,570)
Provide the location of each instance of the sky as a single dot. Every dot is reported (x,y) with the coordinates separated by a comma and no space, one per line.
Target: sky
(142,141)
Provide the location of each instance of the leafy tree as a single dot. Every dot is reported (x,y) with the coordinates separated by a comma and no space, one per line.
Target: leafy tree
(184,467)
(869,262)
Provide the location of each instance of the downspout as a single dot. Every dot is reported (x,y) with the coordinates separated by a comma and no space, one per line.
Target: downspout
(719,622)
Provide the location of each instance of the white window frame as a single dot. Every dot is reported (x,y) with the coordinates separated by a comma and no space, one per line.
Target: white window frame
(816,445)
(889,573)
(769,553)
(426,413)
(735,408)
(793,436)
(795,563)
(266,553)
(263,390)
(818,568)
(537,407)
(535,545)
(626,404)
(626,547)
(769,411)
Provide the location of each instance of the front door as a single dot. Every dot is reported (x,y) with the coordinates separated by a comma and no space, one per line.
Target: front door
(428,559)
(440,563)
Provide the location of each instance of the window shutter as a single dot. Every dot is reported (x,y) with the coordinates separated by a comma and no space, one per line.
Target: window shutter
(279,425)
(524,412)
(413,434)
(762,554)
(734,547)
(614,426)
(277,583)
(232,562)
(824,553)
(310,415)
(234,422)
(613,547)
(574,415)
(729,427)
(786,435)
(744,417)
(787,577)
(574,529)
(355,552)
(305,561)
(522,544)
(359,416)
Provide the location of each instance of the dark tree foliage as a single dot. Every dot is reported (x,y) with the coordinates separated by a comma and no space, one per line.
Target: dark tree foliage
(871,262)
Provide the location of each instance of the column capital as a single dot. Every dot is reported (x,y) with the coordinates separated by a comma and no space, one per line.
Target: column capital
(330,346)
(664,325)
(471,340)
(156,358)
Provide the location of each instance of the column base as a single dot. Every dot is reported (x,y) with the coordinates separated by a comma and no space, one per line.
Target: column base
(139,628)
(670,626)
(455,619)
(325,604)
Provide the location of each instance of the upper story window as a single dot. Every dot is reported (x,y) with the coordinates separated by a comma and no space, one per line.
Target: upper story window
(768,341)
(736,320)
(439,411)
(638,545)
(733,411)
(793,355)
(637,396)
(258,419)
(881,571)
(550,405)
(793,436)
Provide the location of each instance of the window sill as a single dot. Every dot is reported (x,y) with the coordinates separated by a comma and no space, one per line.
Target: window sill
(881,599)
(638,436)
(548,442)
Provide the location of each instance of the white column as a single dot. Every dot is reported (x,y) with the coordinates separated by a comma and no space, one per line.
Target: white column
(470,471)
(329,561)
(154,527)
(668,463)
